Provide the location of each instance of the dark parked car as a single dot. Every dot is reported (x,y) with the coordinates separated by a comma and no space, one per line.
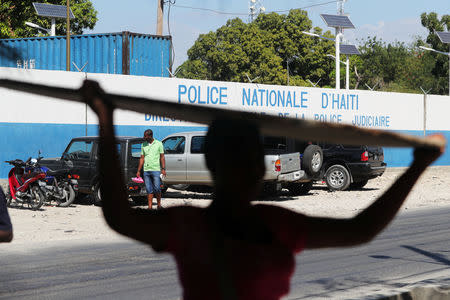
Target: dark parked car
(350,166)
(81,157)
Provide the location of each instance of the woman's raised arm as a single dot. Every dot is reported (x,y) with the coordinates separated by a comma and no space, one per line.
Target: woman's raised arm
(146,226)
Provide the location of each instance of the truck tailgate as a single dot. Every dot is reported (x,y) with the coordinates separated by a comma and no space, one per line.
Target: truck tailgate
(290,162)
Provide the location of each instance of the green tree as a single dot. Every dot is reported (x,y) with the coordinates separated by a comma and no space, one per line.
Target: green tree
(393,67)
(261,48)
(14,14)
(440,70)
(380,63)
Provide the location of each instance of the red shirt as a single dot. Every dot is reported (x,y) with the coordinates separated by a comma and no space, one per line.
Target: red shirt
(254,270)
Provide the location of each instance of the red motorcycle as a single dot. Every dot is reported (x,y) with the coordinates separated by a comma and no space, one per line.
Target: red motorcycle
(24,181)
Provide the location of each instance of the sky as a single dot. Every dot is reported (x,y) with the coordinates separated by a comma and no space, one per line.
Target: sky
(393,20)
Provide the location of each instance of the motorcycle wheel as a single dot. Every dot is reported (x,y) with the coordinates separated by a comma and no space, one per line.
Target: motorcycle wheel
(37,198)
(69,195)
(8,199)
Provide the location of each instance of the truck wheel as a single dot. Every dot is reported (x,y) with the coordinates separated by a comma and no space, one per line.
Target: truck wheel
(180,187)
(269,189)
(337,178)
(359,185)
(96,195)
(300,188)
(140,200)
(312,160)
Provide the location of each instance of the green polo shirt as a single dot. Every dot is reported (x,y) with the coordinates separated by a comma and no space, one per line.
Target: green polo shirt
(152,153)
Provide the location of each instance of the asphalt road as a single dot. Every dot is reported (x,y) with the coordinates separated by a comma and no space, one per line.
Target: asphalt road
(414,249)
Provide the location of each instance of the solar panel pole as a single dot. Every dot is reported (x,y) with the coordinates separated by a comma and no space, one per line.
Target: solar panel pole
(338,66)
(68,37)
(347,69)
(347,73)
(53,28)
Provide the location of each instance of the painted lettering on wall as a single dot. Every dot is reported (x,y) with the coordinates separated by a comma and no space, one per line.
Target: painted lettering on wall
(274,98)
(197,94)
(338,101)
(372,121)
(153,118)
(331,118)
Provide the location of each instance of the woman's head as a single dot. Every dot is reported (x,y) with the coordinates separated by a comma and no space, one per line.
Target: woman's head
(234,154)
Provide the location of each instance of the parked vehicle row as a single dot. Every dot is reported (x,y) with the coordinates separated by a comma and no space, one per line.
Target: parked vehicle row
(185,162)
(32,185)
(289,164)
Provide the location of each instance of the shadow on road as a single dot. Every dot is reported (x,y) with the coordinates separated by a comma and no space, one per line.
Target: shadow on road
(437,257)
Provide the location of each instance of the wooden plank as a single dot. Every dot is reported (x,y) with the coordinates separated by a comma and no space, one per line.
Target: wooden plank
(305,130)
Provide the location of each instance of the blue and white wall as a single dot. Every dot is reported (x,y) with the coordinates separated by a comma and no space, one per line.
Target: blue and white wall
(30,123)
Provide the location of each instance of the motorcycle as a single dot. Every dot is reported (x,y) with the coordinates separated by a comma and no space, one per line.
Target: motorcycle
(24,185)
(60,185)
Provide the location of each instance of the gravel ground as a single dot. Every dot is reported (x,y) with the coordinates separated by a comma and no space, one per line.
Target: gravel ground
(84,222)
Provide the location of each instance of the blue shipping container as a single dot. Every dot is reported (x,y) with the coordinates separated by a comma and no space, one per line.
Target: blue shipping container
(111,53)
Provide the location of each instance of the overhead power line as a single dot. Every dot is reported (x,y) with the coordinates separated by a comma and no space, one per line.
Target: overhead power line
(245,14)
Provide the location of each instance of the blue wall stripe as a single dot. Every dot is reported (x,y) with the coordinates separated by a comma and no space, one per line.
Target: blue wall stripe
(22,140)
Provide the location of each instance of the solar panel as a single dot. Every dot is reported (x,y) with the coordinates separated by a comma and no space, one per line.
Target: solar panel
(444,36)
(349,50)
(52,11)
(337,21)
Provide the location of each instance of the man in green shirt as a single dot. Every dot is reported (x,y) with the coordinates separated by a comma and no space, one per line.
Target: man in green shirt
(152,159)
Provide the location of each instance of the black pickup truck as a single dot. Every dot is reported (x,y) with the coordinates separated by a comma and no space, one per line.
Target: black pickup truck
(81,157)
(351,166)
(340,166)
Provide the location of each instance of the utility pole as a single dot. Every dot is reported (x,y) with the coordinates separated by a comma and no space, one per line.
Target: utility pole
(339,35)
(340,5)
(340,11)
(159,24)
(68,37)
(255,7)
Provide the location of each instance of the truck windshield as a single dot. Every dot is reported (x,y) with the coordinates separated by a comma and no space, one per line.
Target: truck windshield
(79,149)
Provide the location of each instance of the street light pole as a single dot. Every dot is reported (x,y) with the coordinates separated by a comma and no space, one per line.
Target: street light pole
(48,31)
(347,73)
(347,69)
(338,65)
(287,68)
(53,28)
(288,61)
(337,43)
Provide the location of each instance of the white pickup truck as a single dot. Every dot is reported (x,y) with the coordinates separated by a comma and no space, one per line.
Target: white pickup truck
(185,163)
